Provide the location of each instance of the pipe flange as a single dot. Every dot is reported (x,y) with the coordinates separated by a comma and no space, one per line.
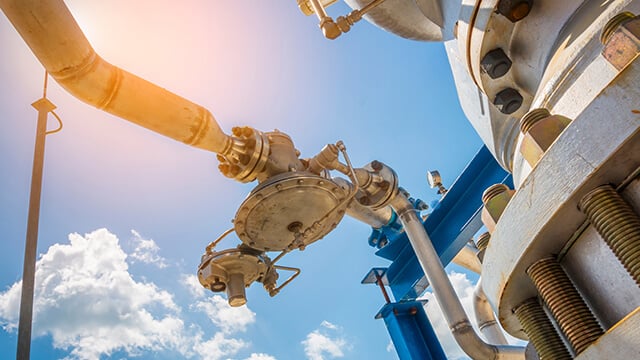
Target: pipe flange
(290,210)
(380,186)
(248,155)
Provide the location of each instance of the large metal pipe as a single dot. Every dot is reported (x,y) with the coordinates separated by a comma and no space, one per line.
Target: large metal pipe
(485,319)
(58,42)
(450,305)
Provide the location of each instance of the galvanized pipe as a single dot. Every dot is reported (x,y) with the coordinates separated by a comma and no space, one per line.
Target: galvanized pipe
(567,306)
(450,305)
(57,41)
(485,319)
(541,332)
(617,223)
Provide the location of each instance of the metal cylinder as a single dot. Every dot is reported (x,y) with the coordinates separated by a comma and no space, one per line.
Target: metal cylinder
(481,243)
(570,311)
(538,327)
(235,290)
(617,223)
(532,117)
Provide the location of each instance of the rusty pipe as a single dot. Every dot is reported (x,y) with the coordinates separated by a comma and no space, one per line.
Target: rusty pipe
(55,38)
(450,305)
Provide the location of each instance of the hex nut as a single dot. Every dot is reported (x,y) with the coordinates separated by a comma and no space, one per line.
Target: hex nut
(508,101)
(494,207)
(540,135)
(514,10)
(496,63)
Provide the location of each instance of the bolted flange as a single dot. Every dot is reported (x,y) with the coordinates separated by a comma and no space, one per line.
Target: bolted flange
(514,10)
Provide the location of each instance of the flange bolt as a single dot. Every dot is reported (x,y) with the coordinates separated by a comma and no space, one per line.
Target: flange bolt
(508,101)
(496,63)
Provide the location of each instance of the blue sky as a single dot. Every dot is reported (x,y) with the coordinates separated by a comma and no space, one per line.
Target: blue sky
(127,213)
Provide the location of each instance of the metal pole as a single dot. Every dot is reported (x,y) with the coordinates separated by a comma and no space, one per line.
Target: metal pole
(43,106)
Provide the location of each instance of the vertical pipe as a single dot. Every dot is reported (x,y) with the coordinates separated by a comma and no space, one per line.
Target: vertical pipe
(617,223)
(485,319)
(576,320)
(450,305)
(30,252)
(541,332)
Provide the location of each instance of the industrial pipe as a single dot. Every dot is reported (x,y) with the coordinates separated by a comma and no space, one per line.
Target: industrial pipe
(467,257)
(485,319)
(57,41)
(450,305)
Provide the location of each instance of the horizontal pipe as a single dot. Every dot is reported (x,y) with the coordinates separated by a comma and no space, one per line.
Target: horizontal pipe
(485,319)
(450,305)
(57,41)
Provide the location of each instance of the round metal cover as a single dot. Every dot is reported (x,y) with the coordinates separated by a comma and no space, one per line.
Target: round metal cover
(219,265)
(290,204)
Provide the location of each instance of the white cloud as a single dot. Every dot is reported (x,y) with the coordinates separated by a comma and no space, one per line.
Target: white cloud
(90,304)
(228,319)
(194,287)
(260,356)
(146,251)
(320,343)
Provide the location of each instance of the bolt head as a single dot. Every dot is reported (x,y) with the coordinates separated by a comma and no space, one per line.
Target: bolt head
(496,63)
(514,10)
(508,101)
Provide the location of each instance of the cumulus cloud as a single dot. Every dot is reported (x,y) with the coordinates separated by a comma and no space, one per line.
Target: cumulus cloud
(260,356)
(192,284)
(228,319)
(320,344)
(146,251)
(91,306)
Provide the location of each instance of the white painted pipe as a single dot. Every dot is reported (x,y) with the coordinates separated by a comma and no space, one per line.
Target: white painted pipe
(485,319)
(57,41)
(450,305)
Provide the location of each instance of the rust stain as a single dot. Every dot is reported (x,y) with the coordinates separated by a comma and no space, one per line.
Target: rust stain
(635,111)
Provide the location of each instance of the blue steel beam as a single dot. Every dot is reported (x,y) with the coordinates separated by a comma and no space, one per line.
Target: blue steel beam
(411,332)
(453,221)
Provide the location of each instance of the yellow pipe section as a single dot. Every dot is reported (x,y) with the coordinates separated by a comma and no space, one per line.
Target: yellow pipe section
(57,41)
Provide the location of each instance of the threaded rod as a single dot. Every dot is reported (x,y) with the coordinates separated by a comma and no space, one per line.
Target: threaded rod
(493,191)
(617,223)
(540,330)
(532,117)
(568,308)
(613,25)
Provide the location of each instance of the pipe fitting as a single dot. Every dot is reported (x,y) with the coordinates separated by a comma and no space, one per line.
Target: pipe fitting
(567,306)
(617,223)
(540,129)
(621,40)
(541,332)
(495,199)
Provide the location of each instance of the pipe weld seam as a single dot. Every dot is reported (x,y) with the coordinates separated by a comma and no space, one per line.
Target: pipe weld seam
(461,325)
(203,120)
(114,85)
(87,64)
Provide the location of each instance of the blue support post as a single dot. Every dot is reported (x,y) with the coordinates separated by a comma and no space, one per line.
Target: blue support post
(411,331)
